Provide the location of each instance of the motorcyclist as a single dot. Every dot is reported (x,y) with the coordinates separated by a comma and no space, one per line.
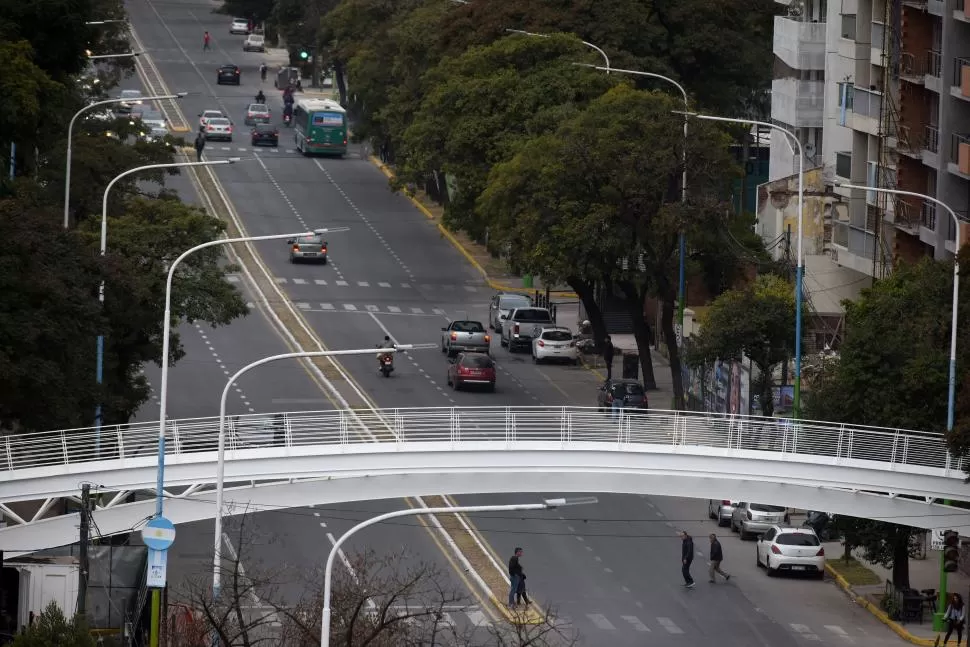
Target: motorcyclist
(288,95)
(387,343)
(262,71)
(287,113)
(260,97)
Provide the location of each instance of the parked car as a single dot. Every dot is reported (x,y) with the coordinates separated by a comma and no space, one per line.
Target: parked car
(308,248)
(206,115)
(502,304)
(472,369)
(257,113)
(265,134)
(721,510)
(630,392)
(792,550)
(228,74)
(556,344)
(239,26)
(218,128)
(823,524)
(756,518)
(522,324)
(254,43)
(465,336)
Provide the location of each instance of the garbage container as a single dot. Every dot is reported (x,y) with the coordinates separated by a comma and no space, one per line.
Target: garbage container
(631,366)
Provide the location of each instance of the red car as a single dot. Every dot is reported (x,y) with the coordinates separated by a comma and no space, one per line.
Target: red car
(472,369)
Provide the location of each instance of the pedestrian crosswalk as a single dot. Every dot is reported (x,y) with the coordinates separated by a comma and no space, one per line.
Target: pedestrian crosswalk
(413,311)
(451,288)
(215,148)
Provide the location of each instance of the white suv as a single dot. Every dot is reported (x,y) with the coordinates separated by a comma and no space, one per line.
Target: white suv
(554,343)
(254,43)
(794,550)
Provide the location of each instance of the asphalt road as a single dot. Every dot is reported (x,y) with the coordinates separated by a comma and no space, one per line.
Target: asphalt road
(611,570)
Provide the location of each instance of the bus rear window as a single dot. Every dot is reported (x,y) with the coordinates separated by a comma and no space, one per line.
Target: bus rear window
(328,119)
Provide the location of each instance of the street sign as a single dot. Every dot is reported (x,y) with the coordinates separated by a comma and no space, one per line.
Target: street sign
(157,568)
(936,538)
(159,534)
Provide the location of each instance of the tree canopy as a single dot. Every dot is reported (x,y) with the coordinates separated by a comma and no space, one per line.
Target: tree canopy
(53,629)
(757,322)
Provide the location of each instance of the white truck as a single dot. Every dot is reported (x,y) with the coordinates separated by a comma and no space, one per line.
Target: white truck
(43,580)
(520,326)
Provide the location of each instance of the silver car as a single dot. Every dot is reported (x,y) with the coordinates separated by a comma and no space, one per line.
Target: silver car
(131,98)
(721,510)
(752,519)
(308,248)
(502,304)
(218,128)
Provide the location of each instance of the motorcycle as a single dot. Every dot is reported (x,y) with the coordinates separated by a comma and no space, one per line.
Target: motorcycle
(287,120)
(386,361)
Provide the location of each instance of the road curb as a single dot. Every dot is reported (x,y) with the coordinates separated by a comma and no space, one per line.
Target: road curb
(495,285)
(880,615)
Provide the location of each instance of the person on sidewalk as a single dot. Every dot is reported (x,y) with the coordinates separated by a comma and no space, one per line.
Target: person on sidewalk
(520,593)
(717,556)
(686,558)
(608,357)
(199,146)
(955,616)
(515,575)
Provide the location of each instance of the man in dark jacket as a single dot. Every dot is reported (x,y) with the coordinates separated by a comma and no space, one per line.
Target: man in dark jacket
(717,556)
(199,146)
(686,558)
(608,357)
(515,576)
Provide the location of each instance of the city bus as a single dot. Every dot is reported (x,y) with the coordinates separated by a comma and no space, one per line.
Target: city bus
(320,126)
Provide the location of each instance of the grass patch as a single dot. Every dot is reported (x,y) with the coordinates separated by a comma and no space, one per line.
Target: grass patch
(854,572)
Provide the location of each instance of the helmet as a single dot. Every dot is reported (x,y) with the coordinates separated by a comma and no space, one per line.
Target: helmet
(387,338)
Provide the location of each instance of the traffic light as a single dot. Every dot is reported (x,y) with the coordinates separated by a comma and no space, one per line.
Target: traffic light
(951,551)
(304,54)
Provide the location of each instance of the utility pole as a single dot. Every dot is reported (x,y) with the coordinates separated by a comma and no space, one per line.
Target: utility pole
(315,69)
(82,589)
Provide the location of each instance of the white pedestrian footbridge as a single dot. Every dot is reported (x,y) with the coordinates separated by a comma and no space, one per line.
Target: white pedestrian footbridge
(322,457)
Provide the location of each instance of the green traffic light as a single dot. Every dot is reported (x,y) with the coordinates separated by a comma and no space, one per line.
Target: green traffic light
(304,55)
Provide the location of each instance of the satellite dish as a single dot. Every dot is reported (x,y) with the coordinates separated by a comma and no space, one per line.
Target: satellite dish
(779,199)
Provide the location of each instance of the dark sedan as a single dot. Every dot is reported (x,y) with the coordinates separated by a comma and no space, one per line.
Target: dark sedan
(228,74)
(472,369)
(265,135)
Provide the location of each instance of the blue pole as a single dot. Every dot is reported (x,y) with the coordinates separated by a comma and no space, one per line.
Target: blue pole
(97,410)
(796,402)
(682,287)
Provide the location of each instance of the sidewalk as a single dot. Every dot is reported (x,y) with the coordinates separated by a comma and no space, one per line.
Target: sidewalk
(663,396)
(923,574)
(494,271)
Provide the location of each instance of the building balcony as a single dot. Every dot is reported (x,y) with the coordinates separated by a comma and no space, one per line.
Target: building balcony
(930,152)
(912,69)
(960,81)
(910,142)
(906,217)
(877,39)
(916,4)
(927,217)
(798,103)
(866,110)
(959,163)
(801,45)
(961,10)
(934,71)
(935,7)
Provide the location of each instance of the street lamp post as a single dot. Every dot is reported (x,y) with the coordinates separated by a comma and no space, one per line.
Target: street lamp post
(95,57)
(548,504)
(951,389)
(221,463)
(104,248)
(70,149)
(800,268)
(606,58)
(682,239)
(163,393)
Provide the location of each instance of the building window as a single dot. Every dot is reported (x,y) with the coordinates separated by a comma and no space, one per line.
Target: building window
(848,26)
(843,165)
(846,96)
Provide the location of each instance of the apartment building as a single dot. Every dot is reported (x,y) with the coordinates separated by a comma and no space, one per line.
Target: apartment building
(878,92)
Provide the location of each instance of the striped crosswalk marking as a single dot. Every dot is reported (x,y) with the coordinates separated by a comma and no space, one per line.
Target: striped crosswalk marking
(280,280)
(670,626)
(232,278)
(303,305)
(405,285)
(384,284)
(342,283)
(250,305)
(438,311)
(600,621)
(363,284)
(636,624)
(372,309)
(471,288)
(478,619)
(319,281)
(350,306)
(417,311)
(393,309)
(327,306)
(299,281)
(804,631)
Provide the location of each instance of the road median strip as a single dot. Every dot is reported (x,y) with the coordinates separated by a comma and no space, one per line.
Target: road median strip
(462,248)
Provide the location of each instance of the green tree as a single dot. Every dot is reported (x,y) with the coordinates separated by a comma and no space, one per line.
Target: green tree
(144,236)
(757,322)
(599,200)
(52,629)
(48,319)
(888,544)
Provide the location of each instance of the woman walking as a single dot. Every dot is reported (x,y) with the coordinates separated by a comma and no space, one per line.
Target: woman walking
(955,616)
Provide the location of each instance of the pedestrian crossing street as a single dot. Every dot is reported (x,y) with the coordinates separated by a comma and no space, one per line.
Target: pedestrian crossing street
(600,622)
(385,285)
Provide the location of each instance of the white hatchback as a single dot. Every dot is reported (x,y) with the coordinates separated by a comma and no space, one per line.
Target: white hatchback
(239,26)
(554,343)
(793,550)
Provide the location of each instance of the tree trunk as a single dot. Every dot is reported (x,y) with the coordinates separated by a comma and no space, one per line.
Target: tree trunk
(673,351)
(764,390)
(633,299)
(900,541)
(338,73)
(587,294)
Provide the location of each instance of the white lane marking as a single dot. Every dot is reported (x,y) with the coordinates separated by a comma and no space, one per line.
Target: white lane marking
(372,309)
(417,311)
(363,284)
(351,307)
(299,281)
(319,281)
(303,305)
(478,619)
(438,311)
(342,284)
(635,622)
(350,569)
(804,631)
(470,288)
(600,621)
(836,630)
(384,284)
(327,306)
(393,309)
(233,278)
(280,280)
(670,626)
(405,285)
